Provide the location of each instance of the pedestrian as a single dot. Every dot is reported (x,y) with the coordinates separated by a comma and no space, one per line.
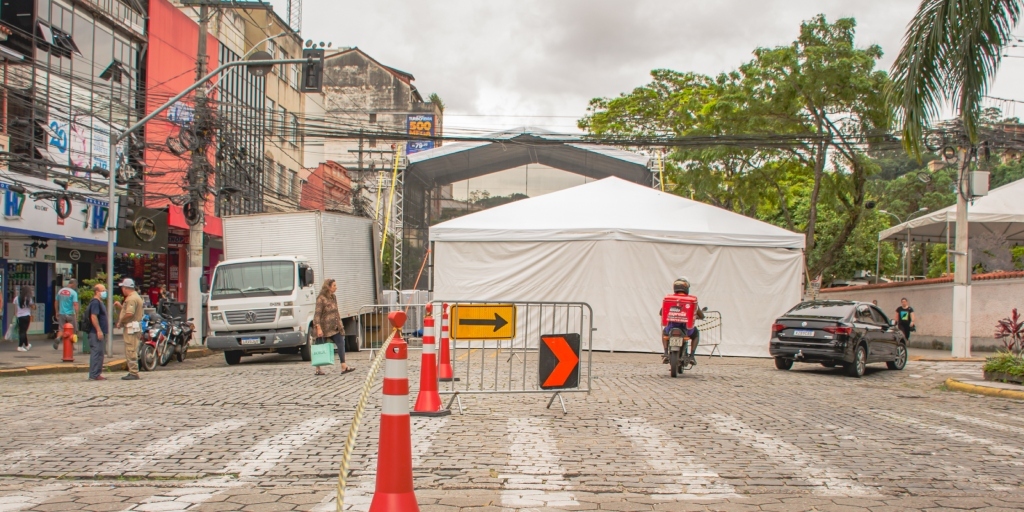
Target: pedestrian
(96,315)
(907,320)
(67,308)
(327,322)
(23,310)
(131,314)
(875,302)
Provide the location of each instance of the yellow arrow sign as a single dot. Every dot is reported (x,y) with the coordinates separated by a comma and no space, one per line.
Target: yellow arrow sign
(483,321)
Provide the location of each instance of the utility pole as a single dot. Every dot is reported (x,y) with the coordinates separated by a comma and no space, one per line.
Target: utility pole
(962,271)
(198,177)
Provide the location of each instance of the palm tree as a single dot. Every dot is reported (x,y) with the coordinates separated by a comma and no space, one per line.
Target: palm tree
(950,54)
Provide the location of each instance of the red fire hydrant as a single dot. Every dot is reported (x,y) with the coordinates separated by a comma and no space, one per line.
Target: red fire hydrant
(68,337)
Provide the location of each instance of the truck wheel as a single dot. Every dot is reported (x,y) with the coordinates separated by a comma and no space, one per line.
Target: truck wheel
(305,351)
(233,357)
(351,343)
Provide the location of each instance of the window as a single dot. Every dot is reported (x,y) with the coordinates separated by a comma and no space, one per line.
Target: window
(282,175)
(295,130)
(263,279)
(60,42)
(821,310)
(268,175)
(293,76)
(272,50)
(284,67)
(293,180)
(864,315)
(879,317)
(373,117)
(284,121)
(373,142)
(271,112)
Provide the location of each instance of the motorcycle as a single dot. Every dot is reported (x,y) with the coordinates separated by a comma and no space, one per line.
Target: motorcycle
(153,342)
(180,334)
(678,352)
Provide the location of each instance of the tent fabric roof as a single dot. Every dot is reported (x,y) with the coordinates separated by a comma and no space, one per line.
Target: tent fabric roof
(1000,212)
(520,146)
(614,209)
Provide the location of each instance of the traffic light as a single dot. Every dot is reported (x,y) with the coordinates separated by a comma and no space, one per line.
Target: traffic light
(125,213)
(312,70)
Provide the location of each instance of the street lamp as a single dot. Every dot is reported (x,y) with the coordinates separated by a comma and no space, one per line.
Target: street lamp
(252,50)
(906,248)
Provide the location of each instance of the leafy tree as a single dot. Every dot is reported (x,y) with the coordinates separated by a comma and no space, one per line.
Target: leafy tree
(821,91)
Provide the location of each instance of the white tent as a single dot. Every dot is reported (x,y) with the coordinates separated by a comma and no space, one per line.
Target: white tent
(1000,212)
(618,246)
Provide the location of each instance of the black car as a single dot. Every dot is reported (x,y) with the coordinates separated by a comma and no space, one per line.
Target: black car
(837,332)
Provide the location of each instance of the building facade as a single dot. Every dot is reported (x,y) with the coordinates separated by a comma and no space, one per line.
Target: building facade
(72,72)
(329,187)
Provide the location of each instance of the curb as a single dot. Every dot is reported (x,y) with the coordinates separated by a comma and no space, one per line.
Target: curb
(956,385)
(115,365)
(948,359)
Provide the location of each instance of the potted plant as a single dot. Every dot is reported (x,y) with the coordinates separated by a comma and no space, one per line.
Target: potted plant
(1008,364)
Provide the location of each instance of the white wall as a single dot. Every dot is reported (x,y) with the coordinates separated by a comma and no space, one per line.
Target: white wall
(991,301)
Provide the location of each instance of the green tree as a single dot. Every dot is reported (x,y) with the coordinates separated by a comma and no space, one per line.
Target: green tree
(821,90)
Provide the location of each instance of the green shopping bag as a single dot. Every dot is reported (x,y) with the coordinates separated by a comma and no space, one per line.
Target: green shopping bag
(323,354)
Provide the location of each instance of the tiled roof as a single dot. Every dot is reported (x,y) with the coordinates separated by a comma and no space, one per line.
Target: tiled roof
(947,279)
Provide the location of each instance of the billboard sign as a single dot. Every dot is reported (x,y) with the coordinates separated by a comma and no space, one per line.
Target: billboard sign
(420,125)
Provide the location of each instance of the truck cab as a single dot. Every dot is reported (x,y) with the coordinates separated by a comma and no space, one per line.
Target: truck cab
(262,305)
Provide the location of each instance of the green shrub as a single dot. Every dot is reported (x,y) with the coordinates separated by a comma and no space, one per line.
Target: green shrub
(1007,363)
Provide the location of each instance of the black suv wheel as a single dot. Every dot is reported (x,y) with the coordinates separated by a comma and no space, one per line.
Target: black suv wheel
(901,358)
(783,364)
(860,362)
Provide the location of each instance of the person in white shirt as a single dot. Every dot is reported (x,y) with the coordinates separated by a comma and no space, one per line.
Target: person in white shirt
(23,310)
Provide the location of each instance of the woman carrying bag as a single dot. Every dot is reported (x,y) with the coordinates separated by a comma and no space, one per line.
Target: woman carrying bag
(327,323)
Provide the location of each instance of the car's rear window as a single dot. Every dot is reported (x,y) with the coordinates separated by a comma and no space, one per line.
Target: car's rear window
(817,309)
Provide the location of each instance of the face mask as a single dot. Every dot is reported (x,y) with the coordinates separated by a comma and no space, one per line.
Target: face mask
(103,295)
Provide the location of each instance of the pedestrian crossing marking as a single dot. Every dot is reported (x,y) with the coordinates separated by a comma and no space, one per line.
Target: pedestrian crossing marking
(827,481)
(666,456)
(957,435)
(533,475)
(163,448)
(263,456)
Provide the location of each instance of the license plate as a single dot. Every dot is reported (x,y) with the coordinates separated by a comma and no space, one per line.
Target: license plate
(802,332)
(675,342)
(250,341)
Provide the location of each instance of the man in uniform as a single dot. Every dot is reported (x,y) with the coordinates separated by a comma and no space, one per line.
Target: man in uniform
(131,314)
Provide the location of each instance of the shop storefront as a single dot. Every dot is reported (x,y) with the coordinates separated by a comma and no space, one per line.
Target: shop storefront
(142,252)
(36,232)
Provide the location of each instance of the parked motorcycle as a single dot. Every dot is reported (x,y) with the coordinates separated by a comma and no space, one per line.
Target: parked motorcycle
(153,342)
(177,341)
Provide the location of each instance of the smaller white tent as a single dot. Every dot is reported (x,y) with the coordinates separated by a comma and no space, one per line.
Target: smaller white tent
(1001,212)
(618,246)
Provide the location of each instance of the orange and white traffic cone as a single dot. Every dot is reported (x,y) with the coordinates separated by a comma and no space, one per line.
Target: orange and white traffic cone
(444,371)
(428,402)
(394,492)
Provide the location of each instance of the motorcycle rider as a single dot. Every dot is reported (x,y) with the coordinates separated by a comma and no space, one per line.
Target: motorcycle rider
(681,287)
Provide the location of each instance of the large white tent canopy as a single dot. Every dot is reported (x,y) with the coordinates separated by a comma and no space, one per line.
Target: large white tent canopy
(1001,212)
(618,246)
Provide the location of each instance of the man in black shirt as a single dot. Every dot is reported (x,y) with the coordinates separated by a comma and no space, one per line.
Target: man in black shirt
(905,318)
(96,322)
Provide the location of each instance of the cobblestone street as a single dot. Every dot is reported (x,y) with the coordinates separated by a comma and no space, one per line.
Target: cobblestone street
(735,434)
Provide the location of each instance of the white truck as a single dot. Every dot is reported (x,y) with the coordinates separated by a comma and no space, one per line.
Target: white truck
(263,296)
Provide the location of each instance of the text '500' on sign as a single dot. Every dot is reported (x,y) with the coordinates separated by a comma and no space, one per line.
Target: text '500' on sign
(483,322)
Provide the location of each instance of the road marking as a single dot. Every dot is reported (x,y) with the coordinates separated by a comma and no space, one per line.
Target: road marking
(693,479)
(980,422)
(957,435)
(358,498)
(826,480)
(533,474)
(24,500)
(267,453)
(165,447)
(22,456)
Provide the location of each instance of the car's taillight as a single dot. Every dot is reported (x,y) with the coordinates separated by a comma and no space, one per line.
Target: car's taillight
(839,330)
(776,328)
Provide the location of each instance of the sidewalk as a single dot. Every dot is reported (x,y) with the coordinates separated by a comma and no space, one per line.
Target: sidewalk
(921,354)
(42,358)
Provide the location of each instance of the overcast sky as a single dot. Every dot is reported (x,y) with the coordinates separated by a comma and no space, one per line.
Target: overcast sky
(499,64)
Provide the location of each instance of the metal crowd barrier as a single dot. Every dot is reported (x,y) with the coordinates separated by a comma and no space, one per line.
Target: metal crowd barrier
(373,327)
(710,333)
(513,365)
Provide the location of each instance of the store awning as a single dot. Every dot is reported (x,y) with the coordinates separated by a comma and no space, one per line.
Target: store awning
(176,219)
